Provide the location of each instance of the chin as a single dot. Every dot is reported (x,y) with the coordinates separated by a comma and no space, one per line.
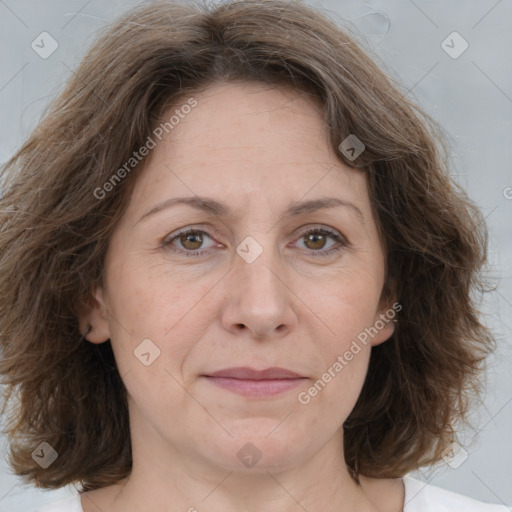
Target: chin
(262,449)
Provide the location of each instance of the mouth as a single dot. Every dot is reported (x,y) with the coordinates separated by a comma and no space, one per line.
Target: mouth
(255,383)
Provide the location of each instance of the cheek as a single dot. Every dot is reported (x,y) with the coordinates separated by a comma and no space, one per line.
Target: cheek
(151,337)
(330,398)
(145,296)
(146,303)
(347,306)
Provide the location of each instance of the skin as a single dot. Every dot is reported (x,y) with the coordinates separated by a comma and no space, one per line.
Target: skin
(255,148)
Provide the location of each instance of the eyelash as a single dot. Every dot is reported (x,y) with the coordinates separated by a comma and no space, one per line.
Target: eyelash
(342,242)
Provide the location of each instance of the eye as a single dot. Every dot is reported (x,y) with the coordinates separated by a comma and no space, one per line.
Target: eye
(190,240)
(315,239)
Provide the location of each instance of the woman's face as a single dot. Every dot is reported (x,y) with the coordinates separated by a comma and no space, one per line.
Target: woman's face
(251,286)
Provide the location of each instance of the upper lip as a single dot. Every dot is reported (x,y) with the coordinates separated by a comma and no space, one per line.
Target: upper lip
(253,374)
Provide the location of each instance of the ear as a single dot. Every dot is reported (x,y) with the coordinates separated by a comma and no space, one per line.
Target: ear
(93,318)
(386,316)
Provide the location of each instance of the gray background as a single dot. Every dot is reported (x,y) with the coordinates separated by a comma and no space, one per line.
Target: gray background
(471,96)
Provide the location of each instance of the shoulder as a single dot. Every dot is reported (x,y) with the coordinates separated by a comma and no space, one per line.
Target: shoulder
(422,497)
(71,504)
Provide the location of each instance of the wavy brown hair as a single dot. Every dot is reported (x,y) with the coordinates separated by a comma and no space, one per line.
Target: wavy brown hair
(61,389)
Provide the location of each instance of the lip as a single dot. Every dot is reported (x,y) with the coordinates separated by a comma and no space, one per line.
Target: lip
(254,383)
(247,373)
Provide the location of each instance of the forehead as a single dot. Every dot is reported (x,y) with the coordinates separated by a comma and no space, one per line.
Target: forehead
(248,142)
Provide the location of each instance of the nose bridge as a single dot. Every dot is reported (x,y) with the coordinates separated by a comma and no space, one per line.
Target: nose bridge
(258,298)
(256,267)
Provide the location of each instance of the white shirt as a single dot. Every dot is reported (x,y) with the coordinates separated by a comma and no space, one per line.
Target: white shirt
(419,497)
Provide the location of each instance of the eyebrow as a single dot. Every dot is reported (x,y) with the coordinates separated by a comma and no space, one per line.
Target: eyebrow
(214,207)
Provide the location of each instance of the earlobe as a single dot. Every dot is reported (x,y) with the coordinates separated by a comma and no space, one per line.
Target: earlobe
(385,322)
(385,328)
(93,319)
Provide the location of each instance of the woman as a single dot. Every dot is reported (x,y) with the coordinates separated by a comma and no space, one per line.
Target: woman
(236,275)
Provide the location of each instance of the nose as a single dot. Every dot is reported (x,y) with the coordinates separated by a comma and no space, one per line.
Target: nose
(258,299)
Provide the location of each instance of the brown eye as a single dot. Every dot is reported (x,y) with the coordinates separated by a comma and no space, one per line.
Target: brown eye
(191,240)
(315,240)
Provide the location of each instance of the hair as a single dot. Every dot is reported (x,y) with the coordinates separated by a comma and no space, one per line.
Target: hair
(61,389)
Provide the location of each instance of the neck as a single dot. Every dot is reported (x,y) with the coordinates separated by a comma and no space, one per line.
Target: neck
(184,483)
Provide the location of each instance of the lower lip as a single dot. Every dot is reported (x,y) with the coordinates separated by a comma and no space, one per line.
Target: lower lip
(256,388)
